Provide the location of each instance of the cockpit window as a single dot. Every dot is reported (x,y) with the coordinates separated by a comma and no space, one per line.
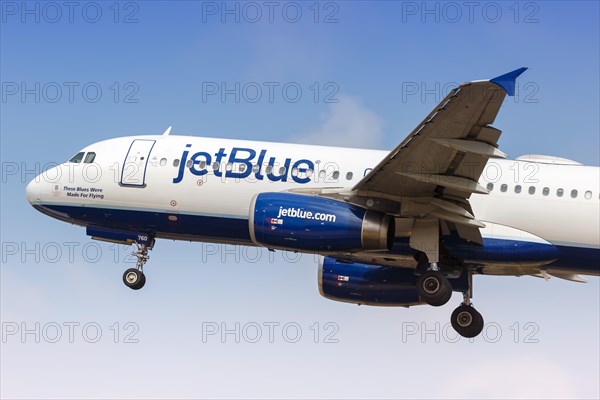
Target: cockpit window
(89,158)
(77,157)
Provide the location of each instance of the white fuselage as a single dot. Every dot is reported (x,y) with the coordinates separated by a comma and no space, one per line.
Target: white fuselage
(175,175)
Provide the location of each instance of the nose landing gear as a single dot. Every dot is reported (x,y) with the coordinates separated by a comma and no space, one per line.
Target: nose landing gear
(134,278)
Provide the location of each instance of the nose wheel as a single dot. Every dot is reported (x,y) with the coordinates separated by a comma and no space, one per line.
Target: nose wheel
(134,278)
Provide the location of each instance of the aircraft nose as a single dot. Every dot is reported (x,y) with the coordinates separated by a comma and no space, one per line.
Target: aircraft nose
(32,191)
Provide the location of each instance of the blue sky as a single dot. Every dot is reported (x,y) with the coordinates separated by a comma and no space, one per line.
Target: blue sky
(368,72)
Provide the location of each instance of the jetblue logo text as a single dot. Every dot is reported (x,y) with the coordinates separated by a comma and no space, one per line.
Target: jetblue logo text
(303,214)
(244,158)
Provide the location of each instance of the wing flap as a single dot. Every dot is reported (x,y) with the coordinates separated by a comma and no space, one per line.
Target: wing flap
(471,146)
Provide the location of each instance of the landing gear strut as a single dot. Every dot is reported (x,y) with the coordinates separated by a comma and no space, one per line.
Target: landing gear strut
(434,288)
(466,320)
(134,278)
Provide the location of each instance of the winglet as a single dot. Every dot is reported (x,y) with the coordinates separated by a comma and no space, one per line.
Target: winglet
(507,81)
(166,133)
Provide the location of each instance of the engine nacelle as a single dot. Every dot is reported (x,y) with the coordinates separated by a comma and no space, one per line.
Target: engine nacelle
(373,285)
(317,224)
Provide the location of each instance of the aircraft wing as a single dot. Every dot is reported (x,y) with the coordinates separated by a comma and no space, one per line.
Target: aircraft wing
(434,171)
(454,140)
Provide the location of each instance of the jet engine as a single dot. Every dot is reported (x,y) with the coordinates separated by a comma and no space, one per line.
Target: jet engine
(317,224)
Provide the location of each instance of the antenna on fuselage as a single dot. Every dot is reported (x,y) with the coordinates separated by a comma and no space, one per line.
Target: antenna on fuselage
(167,131)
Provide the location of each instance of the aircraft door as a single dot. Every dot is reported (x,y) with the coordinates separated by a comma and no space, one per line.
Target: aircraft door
(133,172)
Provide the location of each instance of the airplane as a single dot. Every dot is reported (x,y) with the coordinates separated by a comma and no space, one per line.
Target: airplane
(399,228)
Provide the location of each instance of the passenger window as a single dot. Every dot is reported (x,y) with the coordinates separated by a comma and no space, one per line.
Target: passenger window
(229,167)
(202,164)
(89,158)
(559,192)
(309,172)
(255,168)
(282,170)
(531,189)
(188,164)
(163,162)
(77,158)
(518,189)
(490,186)
(503,187)
(574,193)
(269,169)
(295,171)
(349,176)
(176,162)
(216,166)
(322,174)
(242,168)
(546,191)
(588,195)
(336,174)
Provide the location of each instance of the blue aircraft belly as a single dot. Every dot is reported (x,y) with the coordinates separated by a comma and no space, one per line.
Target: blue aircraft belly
(215,228)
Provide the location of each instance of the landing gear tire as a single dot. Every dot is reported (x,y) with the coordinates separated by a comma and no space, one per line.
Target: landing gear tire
(134,278)
(467,321)
(434,288)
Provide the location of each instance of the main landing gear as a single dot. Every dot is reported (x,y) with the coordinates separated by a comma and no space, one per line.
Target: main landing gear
(134,278)
(435,289)
(466,320)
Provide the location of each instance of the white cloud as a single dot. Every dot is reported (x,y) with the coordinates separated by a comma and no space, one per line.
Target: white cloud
(348,124)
